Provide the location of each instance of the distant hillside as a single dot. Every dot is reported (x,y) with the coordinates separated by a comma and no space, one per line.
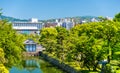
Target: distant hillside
(11,19)
(87,18)
(77,19)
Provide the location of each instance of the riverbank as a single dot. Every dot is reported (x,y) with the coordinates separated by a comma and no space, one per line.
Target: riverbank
(68,68)
(59,64)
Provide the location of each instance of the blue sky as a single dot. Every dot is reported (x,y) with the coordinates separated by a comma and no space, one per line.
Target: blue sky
(47,9)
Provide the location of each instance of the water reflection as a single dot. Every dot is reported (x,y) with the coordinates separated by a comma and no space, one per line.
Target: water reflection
(31,66)
(32,63)
(35,65)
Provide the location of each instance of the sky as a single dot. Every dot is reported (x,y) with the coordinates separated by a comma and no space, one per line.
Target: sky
(47,9)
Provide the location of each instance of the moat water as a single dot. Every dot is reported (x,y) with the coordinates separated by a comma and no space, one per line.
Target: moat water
(35,65)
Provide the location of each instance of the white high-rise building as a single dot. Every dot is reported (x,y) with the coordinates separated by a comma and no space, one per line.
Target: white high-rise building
(66,23)
(34,20)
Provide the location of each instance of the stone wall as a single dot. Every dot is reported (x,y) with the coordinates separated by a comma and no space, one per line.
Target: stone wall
(60,65)
(30,54)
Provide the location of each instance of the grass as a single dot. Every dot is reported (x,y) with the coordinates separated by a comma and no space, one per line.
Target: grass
(87,71)
(49,68)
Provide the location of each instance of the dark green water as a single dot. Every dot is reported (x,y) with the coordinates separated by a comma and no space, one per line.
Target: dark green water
(35,65)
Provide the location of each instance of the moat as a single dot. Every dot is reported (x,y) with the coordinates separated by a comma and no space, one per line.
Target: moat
(35,65)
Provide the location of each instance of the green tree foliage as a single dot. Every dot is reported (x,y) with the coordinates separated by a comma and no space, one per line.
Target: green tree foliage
(2,61)
(97,41)
(11,43)
(3,69)
(89,49)
(102,18)
(48,40)
(87,44)
(0,12)
(117,17)
(2,58)
(53,39)
(62,35)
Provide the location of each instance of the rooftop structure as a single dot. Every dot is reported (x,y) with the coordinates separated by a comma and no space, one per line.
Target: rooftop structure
(30,45)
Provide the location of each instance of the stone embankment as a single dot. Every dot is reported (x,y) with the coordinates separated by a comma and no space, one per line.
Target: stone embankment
(57,63)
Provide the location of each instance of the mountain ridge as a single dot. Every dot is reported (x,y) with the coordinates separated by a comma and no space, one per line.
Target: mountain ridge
(76,18)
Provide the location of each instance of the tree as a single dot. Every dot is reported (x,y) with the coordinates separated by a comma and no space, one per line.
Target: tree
(48,39)
(2,58)
(90,50)
(96,41)
(11,43)
(0,12)
(117,17)
(2,61)
(62,35)
(3,69)
(53,40)
(111,36)
(102,18)
(86,44)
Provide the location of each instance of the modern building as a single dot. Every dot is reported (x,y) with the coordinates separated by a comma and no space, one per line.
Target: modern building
(31,27)
(66,23)
(94,20)
(109,18)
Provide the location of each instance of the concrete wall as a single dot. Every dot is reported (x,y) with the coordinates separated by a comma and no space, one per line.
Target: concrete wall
(60,65)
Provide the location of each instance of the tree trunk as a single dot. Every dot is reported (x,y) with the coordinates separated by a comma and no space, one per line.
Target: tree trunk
(95,66)
(108,59)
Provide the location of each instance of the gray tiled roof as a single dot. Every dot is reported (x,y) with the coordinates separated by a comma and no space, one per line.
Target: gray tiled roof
(29,41)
